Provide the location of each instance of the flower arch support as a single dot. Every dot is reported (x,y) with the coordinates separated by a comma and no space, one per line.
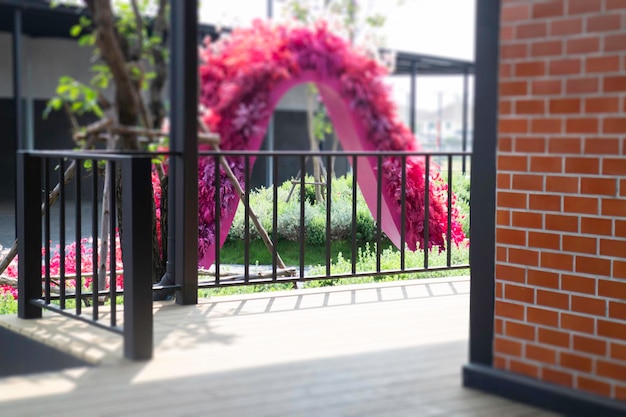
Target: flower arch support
(243,77)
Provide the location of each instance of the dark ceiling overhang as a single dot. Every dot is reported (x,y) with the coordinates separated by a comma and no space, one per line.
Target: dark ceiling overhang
(407,62)
(40,20)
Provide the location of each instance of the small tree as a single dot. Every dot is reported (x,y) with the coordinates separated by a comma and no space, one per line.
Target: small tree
(129,51)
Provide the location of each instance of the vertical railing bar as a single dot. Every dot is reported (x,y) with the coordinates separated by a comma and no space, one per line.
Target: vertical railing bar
(426,210)
(403,216)
(95,288)
(329,193)
(354,211)
(62,233)
(218,209)
(78,281)
(302,212)
(246,248)
(112,246)
(46,202)
(274,217)
(379,195)
(449,228)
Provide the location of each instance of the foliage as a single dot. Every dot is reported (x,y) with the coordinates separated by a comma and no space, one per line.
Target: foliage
(233,252)
(390,260)
(70,259)
(261,201)
(348,18)
(461,187)
(8,302)
(366,261)
(81,98)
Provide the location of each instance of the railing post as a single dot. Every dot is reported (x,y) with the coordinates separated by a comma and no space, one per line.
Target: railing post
(137,258)
(183,174)
(28,234)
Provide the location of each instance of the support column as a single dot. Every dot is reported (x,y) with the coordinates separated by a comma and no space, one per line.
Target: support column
(17,91)
(483,183)
(183,192)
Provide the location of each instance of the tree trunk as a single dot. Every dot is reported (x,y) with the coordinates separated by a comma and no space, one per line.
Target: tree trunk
(105,218)
(109,43)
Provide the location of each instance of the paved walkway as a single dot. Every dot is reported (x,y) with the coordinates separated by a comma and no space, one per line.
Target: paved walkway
(392,349)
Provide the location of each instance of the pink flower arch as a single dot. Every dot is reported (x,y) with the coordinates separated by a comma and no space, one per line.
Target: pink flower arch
(242,78)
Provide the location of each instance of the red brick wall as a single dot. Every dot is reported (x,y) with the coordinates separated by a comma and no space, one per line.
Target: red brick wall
(561,194)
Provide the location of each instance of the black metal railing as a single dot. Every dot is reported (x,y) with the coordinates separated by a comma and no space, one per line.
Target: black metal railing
(285,165)
(44,276)
(40,288)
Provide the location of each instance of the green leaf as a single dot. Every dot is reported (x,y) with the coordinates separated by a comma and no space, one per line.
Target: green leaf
(97,111)
(84,21)
(75,30)
(55,104)
(77,106)
(87,40)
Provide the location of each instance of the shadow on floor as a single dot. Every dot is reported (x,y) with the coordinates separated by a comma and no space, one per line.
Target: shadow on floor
(20,355)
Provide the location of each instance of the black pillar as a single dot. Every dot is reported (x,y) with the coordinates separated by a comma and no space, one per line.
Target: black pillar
(28,223)
(483,183)
(183,203)
(17,90)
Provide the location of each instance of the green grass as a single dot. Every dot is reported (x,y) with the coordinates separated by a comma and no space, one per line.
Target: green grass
(233,252)
(366,262)
(7,304)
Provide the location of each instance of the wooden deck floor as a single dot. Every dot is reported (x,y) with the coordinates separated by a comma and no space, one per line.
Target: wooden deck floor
(378,350)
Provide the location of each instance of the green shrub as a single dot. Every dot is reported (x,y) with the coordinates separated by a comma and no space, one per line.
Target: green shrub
(461,188)
(8,305)
(314,214)
(390,260)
